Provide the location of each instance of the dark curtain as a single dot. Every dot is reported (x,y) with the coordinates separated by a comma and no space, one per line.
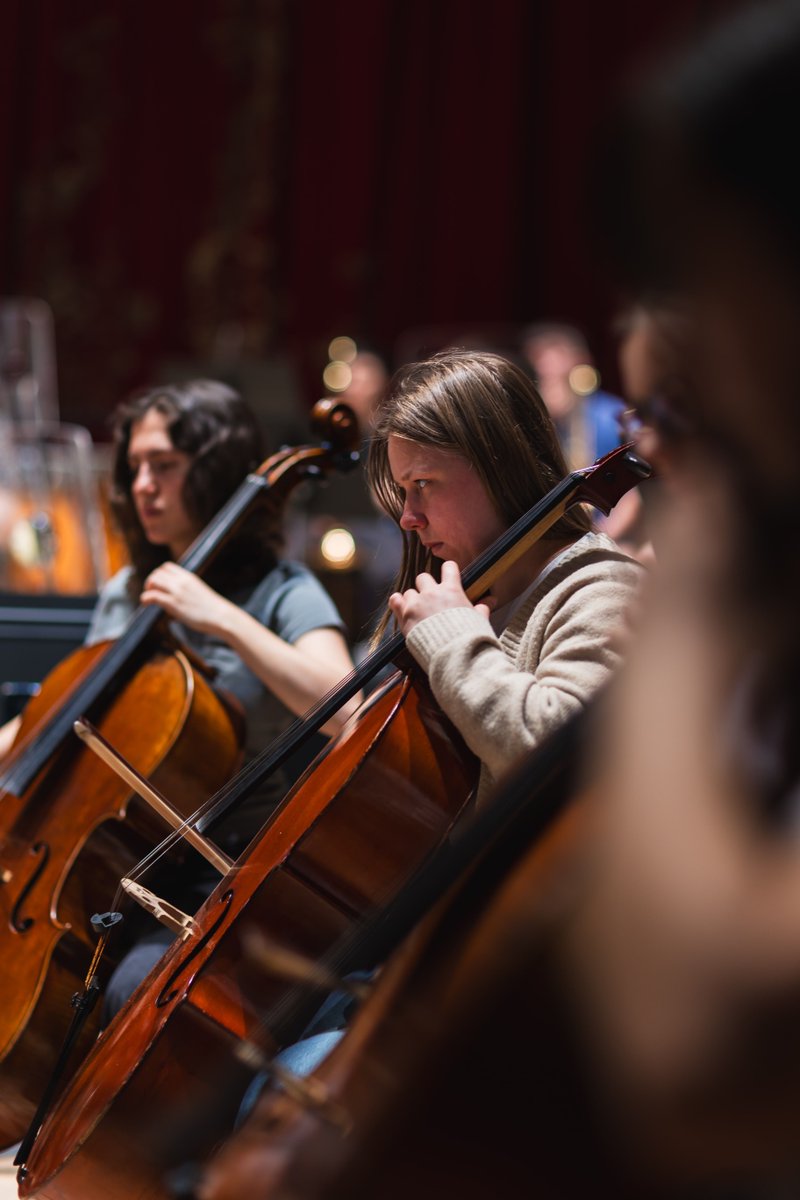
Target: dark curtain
(137,182)
(212,178)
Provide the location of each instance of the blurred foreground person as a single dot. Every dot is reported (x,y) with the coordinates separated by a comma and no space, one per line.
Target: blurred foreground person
(686,952)
(654,344)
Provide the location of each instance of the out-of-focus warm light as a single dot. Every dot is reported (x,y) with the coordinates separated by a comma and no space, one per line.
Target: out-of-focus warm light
(337,376)
(338,549)
(342,349)
(584,380)
(23,544)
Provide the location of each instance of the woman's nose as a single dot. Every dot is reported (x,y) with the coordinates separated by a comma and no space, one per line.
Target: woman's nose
(411,518)
(143,479)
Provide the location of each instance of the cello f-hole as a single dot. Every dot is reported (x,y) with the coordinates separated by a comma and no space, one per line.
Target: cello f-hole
(169,992)
(19,923)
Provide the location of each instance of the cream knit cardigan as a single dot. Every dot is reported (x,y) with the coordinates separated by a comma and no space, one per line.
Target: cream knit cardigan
(505,694)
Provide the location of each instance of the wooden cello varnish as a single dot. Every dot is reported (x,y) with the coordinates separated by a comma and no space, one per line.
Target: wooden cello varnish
(340,839)
(65,845)
(513,887)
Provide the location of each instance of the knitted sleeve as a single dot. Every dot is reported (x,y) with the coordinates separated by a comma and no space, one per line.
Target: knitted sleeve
(506,695)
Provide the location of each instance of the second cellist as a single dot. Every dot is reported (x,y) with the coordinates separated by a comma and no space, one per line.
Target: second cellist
(65,833)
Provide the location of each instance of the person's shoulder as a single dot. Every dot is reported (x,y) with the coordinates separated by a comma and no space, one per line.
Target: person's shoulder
(287,573)
(594,581)
(116,602)
(118,585)
(276,576)
(596,555)
(287,581)
(290,568)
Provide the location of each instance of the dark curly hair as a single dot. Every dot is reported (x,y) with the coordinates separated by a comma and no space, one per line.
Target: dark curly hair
(212,423)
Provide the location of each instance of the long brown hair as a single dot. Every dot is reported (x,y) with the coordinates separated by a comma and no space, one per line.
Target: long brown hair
(212,423)
(486,409)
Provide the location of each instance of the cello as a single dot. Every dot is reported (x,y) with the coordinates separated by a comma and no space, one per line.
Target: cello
(377,802)
(406,1102)
(68,828)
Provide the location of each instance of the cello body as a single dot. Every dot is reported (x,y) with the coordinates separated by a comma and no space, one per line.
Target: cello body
(441,1080)
(163,1082)
(65,843)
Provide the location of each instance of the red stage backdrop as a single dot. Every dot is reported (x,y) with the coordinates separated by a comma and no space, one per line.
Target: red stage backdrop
(201,179)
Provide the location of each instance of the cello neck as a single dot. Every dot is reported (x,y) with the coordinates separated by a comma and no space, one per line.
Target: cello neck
(601,485)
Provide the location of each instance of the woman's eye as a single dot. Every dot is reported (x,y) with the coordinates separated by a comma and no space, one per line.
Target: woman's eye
(422,483)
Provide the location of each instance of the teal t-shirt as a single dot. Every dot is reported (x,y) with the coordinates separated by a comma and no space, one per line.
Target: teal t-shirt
(290,601)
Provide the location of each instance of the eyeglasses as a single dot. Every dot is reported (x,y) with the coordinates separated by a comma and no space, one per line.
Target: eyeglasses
(630,424)
(657,413)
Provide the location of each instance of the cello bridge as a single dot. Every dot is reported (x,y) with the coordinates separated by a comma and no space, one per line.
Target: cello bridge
(173,918)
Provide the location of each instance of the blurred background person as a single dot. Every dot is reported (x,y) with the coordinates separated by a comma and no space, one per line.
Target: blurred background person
(369,380)
(357,373)
(653,346)
(586,418)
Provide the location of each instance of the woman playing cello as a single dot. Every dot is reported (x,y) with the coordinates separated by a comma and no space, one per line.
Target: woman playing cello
(462,447)
(264,624)
(268,628)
